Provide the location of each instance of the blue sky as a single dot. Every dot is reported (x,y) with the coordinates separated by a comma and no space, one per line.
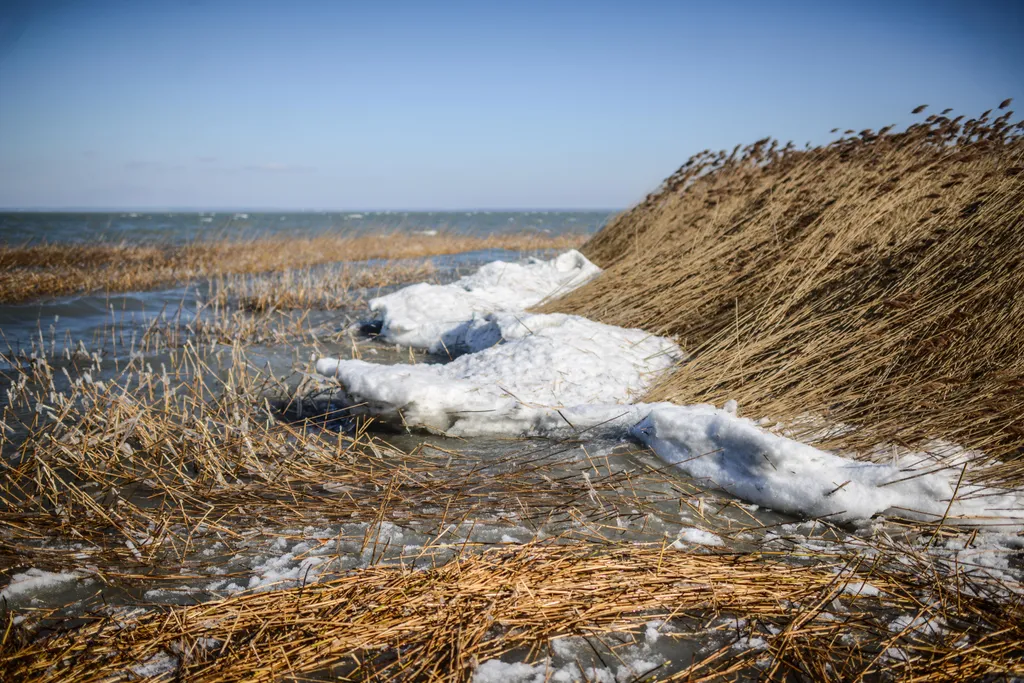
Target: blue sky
(403,105)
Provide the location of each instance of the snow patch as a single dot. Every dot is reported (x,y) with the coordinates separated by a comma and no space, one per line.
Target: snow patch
(437,317)
(698,537)
(919,625)
(496,671)
(773,471)
(35,581)
(548,373)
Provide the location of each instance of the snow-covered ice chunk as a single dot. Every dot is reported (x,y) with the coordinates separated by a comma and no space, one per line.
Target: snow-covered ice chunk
(537,374)
(696,536)
(546,373)
(735,454)
(35,581)
(436,317)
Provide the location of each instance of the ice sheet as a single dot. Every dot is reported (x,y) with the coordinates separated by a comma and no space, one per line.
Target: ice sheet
(751,463)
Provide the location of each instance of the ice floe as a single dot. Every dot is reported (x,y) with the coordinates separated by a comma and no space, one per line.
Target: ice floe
(35,581)
(736,455)
(696,536)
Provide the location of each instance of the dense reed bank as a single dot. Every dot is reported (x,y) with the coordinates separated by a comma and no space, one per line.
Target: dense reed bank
(28,272)
(874,281)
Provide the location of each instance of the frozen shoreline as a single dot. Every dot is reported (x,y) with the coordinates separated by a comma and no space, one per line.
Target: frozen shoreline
(541,374)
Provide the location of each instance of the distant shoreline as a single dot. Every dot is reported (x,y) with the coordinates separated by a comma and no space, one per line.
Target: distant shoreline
(31,272)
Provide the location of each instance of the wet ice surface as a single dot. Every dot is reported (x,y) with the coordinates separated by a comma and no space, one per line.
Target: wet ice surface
(619,494)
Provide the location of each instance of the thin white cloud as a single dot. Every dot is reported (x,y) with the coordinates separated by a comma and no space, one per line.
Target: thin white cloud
(274,167)
(144,165)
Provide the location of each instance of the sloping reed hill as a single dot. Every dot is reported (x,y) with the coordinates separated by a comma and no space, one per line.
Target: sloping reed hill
(875,281)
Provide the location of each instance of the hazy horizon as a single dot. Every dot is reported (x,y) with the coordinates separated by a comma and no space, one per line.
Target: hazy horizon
(271,209)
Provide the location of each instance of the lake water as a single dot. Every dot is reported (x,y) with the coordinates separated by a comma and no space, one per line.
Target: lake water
(18,228)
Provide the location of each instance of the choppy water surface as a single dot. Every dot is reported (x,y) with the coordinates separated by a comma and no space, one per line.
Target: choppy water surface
(26,227)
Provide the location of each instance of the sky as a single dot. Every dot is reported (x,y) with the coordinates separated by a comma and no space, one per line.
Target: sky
(306,105)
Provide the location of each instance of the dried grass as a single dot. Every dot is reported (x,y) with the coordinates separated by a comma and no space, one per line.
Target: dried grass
(56,269)
(391,622)
(327,288)
(803,281)
(202,445)
(207,455)
(874,281)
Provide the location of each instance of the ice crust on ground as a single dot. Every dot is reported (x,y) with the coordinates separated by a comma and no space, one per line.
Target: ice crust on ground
(538,374)
(497,671)
(698,537)
(35,581)
(439,317)
(764,468)
(160,663)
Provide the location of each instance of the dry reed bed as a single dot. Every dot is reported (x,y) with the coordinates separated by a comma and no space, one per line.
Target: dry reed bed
(874,281)
(145,465)
(173,454)
(211,456)
(327,288)
(389,623)
(27,272)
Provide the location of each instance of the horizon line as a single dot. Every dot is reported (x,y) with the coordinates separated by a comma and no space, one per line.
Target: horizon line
(241,209)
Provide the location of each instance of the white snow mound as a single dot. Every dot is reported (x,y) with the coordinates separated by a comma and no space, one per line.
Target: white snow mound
(537,374)
(736,455)
(436,317)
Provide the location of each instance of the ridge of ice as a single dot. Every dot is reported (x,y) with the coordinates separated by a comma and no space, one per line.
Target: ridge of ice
(538,374)
(736,455)
(436,317)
